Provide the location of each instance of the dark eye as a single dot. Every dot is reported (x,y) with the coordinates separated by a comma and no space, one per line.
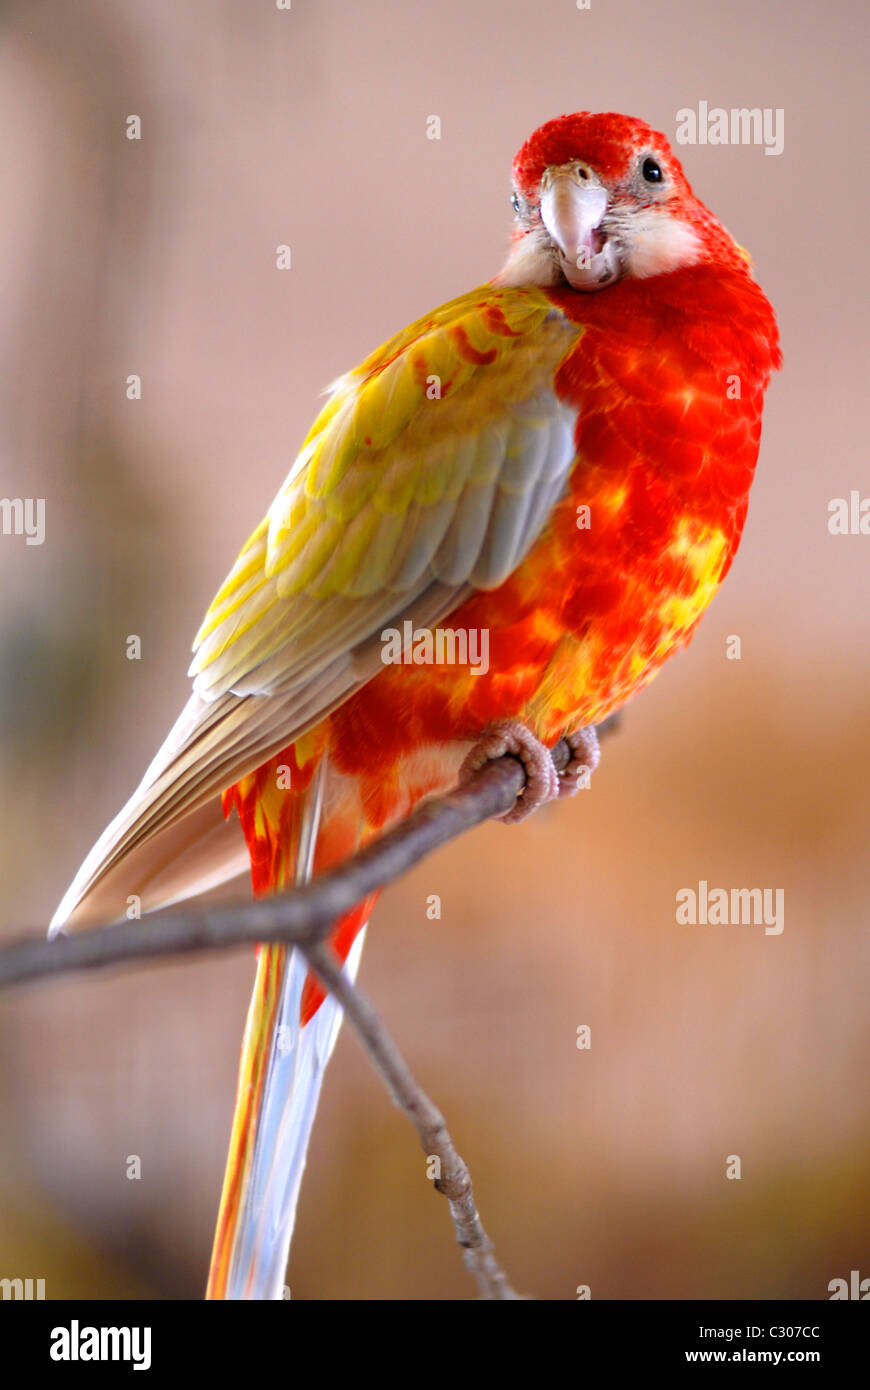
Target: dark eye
(651,170)
(515,202)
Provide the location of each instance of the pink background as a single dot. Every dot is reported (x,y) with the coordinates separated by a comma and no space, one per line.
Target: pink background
(158,257)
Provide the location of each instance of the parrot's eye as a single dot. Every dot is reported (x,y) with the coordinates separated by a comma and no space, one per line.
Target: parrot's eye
(651,170)
(515,202)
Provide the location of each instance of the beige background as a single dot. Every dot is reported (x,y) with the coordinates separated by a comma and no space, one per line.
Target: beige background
(308,127)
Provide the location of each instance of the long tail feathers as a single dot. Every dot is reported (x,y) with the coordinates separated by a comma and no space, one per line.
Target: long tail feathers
(289,1037)
(281,1073)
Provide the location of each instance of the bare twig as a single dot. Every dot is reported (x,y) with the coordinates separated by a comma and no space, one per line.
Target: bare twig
(454,1180)
(301,917)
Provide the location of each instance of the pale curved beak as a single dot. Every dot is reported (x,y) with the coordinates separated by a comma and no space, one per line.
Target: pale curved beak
(573,206)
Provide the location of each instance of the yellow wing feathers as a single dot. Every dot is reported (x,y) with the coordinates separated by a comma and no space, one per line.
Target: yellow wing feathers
(431,462)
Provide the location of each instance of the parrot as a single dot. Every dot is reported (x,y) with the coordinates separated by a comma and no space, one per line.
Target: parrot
(558,460)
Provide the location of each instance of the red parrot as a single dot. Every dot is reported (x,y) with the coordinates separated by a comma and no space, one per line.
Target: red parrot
(552,469)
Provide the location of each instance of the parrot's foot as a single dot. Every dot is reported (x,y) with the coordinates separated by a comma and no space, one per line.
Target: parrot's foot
(542,779)
(585,757)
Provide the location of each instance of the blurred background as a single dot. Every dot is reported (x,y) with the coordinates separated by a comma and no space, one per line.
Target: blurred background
(157,257)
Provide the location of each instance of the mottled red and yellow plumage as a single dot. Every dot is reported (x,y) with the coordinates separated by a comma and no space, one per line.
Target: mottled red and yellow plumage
(665,455)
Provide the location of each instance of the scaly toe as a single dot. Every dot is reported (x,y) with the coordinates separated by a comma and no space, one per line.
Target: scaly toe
(509,736)
(585,757)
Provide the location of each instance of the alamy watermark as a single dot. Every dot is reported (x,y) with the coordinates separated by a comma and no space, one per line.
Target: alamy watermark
(25,1289)
(76,1343)
(23,516)
(849,516)
(741,125)
(723,907)
(439,646)
(856,1288)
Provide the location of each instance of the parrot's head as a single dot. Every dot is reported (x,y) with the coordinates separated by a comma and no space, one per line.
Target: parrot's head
(599,198)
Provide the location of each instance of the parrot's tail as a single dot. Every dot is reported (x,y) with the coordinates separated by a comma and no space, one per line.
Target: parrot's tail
(280,1076)
(289,1037)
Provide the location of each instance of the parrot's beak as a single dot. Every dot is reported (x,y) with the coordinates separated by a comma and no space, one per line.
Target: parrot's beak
(573,205)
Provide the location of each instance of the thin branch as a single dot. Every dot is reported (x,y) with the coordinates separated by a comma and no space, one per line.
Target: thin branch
(455,1180)
(301,917)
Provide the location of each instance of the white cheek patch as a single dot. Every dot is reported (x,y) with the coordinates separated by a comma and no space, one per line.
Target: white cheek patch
(652,243)
(657,243)
(529,263)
